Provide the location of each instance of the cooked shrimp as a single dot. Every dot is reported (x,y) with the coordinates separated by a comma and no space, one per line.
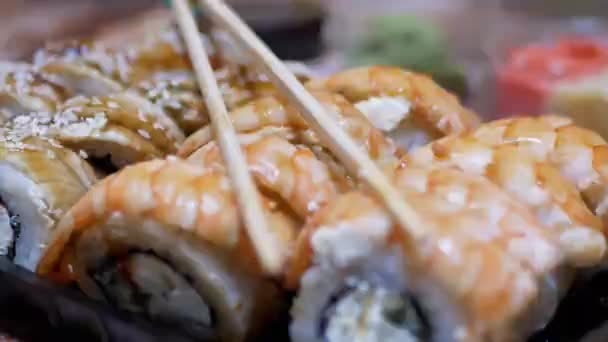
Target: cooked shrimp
(172,192)
(292,172)
(554,199)
(168,219)
(409,107)
(123,126)
(484,249)
(271,112)
(580,155)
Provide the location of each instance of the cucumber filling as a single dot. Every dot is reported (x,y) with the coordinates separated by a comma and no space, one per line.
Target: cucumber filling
(361,312)
(143,282)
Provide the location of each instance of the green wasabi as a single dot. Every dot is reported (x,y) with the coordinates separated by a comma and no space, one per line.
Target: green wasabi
(410,42)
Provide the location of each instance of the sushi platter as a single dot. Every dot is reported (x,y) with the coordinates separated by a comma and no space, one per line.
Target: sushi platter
(191,186)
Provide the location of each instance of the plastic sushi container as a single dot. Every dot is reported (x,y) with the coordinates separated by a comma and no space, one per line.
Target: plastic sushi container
(544,63)
(35,309)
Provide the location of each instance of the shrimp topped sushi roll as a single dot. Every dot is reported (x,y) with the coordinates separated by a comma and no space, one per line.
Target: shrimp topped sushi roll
(580,155)
(272,116)
(165,238)
(485,272)
(291,175)
(39,182)
(554,199)
(409,107)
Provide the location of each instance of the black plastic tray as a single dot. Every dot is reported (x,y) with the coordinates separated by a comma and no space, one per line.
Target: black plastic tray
(34,309)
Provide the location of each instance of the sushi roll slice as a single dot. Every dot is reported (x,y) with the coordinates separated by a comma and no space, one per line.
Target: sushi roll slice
(580,155)
(485,272)
(164,238)
(111,131)
(175,92)
(409,107)
(133,112)
(161,70)
(39,182)
(552,197)
(23,90)
(81,68)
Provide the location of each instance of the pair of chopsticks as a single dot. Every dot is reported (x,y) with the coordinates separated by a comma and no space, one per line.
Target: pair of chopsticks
(338,141)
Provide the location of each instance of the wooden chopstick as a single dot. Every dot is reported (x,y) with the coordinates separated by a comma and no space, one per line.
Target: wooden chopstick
(265,243)
(338,141)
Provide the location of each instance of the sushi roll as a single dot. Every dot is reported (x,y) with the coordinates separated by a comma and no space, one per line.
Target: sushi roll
(164,238)
(176,93)
(485,272)
(272,116)
(161,70)
(39,182)
(290,175)
(111,131)
(580,155)
(410,108)
(552,197)
(81,68)
(24,90)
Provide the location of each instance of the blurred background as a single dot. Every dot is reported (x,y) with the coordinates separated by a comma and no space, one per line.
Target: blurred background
(475,48)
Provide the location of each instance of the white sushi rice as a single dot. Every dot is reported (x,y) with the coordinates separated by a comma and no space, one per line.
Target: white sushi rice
(6,232)
(25,198)
(360,317)
(391,115)
(358,257)
(385,112)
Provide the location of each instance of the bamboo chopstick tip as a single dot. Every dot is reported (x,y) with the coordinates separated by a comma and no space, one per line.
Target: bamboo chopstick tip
(250,207)
(313,112)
